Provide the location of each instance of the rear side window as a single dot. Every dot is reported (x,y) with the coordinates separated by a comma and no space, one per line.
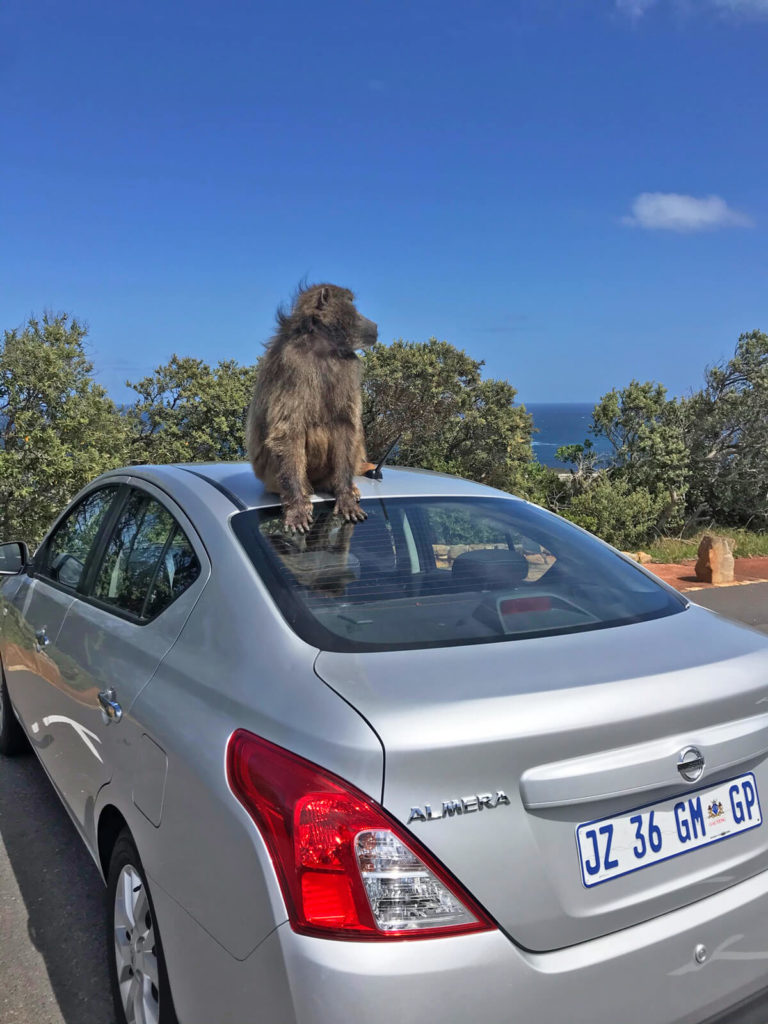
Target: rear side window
(437,572)
(148,561)
(68,547)
(178,569)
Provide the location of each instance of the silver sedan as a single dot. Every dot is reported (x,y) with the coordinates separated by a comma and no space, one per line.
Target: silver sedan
(458,762)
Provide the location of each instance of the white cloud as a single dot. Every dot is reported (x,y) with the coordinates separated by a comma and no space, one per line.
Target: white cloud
(637,8)
(669,211)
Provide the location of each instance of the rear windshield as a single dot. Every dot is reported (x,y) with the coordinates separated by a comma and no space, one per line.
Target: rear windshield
(438,572)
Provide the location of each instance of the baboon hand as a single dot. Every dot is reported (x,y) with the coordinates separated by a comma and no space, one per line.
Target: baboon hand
(347,506)
(298,516)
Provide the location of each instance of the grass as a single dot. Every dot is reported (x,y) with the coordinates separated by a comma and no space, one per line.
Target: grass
(672,549)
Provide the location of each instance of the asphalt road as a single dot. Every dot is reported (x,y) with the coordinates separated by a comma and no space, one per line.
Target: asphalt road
(747,603)
(52,933)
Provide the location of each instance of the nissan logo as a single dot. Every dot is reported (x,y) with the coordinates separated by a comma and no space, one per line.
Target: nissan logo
(690,764)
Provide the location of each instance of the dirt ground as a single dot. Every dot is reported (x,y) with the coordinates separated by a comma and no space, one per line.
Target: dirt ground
(682,576)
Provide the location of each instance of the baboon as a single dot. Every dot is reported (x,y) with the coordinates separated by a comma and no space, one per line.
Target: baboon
(304,427)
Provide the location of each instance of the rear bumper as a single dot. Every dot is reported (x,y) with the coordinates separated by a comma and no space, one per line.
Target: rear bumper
(642,975)
(751,1011)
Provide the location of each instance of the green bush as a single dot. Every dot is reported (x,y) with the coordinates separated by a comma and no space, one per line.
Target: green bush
(674,549)
(623,516)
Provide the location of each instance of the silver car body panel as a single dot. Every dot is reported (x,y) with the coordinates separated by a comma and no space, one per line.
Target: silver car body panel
(573,722)
(96,650)
(647,974)
(226,677)
(33,616)
(570,728)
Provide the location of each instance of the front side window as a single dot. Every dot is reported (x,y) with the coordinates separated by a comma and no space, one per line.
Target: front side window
(141,571)
(67,549)
(435,572)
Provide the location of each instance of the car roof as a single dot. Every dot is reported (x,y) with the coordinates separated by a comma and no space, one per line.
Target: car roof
(238,481)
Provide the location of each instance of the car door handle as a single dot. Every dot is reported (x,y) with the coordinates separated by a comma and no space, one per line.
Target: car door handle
(41,639)
(110,709)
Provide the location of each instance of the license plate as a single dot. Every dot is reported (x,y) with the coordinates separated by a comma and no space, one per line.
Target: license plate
(611,847)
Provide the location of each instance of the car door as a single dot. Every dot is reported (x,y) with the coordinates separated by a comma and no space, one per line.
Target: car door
(35,606)
(141,587)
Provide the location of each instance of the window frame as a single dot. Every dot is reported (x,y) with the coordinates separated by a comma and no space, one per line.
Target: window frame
(84,591)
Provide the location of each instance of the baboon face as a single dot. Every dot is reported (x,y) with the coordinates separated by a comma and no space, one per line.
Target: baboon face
(367,332)
(334,308)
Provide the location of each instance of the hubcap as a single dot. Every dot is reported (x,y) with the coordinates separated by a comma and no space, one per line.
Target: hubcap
(135,950)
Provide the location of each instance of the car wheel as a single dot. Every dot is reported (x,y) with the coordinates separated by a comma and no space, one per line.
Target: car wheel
(12,738)
(136,965)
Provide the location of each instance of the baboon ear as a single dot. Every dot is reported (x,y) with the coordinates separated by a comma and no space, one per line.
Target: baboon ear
(322,297)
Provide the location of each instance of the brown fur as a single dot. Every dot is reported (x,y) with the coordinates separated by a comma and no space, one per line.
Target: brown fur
(304,426)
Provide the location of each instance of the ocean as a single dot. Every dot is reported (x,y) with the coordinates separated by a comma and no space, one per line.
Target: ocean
(560,423)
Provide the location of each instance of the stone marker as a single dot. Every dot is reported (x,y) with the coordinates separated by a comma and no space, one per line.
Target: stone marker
(715,561)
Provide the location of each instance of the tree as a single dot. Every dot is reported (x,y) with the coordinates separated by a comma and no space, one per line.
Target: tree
(188,412)
(642,489)
(618,513)
(728,437)
(544,486)
(58,428)
(648,435)
(582,457)
(430,396)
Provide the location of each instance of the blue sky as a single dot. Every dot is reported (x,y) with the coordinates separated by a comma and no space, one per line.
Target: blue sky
(572,190)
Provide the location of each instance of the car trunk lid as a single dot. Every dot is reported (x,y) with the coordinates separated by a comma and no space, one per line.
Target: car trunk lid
(496,753)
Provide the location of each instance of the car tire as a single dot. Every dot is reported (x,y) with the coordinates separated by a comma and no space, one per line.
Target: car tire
(12,738)
(137,972)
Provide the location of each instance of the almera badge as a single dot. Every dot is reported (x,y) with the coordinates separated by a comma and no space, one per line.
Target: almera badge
(462,805)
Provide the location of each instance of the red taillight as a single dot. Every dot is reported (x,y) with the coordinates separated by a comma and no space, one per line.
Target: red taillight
(516,605)
(346,868)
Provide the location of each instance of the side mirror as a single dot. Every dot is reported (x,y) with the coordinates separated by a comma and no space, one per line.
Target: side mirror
(67,569)
(14,558)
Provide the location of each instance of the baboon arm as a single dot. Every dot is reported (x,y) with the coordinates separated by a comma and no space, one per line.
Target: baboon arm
(285,470)
(345,459)
(289,460)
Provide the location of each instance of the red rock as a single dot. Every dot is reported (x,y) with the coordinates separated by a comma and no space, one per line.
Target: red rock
(715,561)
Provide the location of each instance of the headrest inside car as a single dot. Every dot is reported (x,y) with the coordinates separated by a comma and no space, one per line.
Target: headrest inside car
(489,569)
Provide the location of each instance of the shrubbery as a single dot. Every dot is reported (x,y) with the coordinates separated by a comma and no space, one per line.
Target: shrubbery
(58,428)
(622,515)
(674,464)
